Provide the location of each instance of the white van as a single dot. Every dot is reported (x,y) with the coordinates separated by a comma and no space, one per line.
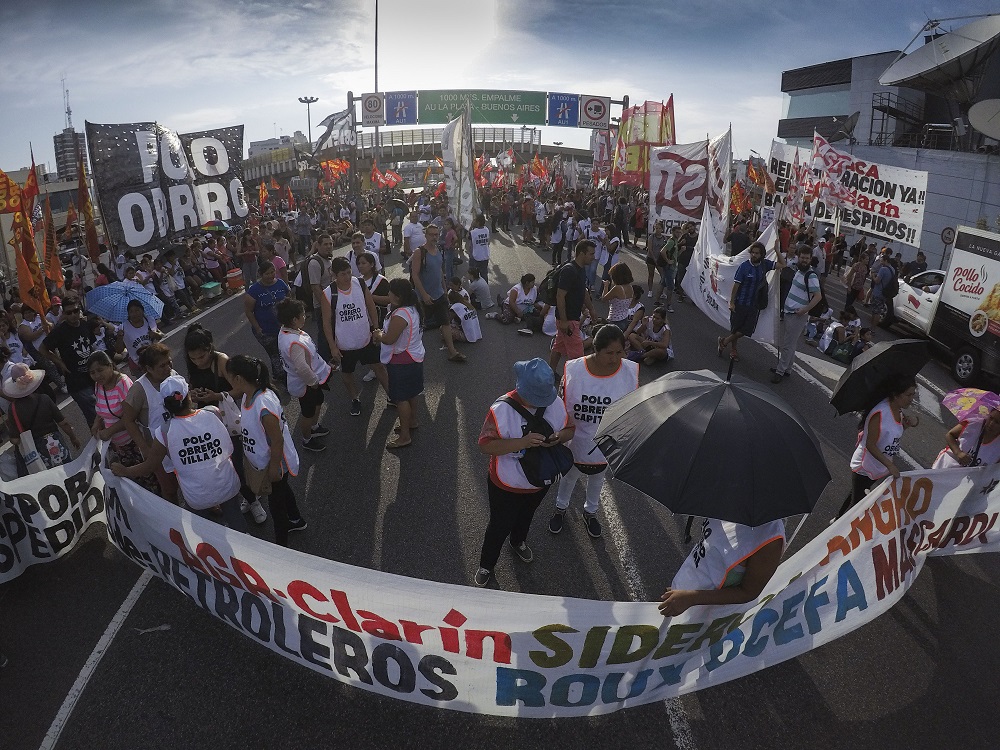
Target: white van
(959,309)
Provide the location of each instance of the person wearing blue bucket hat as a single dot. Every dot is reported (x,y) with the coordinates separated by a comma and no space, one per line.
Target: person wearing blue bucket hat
(504,438)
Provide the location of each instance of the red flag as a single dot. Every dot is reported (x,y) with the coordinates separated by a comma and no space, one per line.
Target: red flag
(10,195)
(53,266)
(291,198)
(392,178)
(274,184)
(378,180)
(262,194)
(87,209)
(440,190)
(322,186)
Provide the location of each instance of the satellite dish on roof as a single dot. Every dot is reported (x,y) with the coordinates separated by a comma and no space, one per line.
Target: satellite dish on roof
(984,116)
(846,129)
(949,64)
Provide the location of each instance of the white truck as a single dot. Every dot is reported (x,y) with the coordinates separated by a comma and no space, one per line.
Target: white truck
(959,309)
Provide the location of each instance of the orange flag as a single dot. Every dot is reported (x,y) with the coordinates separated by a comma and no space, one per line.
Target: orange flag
(30,189)
(262,194)
(291,198)
(10,195)
(30,283)
(53,266)
(87,209)
(71,219)
(274,184)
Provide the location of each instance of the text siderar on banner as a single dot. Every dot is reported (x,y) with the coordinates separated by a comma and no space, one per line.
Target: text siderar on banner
(153,182)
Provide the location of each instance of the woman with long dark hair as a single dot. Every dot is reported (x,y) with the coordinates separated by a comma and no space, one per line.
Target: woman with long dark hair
(879,433)
(269,456)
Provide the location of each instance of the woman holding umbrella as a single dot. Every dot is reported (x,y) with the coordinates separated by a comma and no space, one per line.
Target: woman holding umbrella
(973,441)
(881,429)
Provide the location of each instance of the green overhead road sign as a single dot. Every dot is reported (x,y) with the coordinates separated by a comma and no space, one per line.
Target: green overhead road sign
(488,107)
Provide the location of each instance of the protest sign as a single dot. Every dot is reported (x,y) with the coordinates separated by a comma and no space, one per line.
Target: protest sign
(153,183)
(43,515)
(502,653)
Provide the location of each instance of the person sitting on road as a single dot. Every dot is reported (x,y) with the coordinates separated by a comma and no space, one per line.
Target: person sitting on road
(651,340)
(637,310)
(617,292)
(519,302)
(479,290)
(464,319)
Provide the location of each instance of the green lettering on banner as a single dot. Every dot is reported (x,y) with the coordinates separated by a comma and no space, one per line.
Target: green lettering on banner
(509,108)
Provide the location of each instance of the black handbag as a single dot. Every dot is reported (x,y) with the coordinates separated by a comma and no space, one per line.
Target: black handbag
(761,297)
(544,464)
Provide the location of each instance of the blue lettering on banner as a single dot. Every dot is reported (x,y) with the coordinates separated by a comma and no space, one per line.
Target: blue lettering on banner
(401,108)
(564,110)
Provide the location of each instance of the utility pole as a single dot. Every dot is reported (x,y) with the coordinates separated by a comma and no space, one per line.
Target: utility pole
(309,101)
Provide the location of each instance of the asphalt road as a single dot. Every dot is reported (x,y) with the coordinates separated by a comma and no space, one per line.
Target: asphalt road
(917,677)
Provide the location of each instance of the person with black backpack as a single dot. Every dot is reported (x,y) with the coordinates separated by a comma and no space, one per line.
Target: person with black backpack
(885,287)
(804,293)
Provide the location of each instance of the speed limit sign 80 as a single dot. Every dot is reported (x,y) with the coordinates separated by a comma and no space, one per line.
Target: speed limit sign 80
(372,110)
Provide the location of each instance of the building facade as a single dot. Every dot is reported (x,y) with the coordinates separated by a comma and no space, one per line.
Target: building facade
(69,147)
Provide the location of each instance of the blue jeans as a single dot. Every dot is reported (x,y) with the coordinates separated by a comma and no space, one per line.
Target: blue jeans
(87,402)
(449,265)
(592,273)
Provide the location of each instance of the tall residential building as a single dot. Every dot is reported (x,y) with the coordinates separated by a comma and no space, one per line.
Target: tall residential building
(273,144)
(69,146)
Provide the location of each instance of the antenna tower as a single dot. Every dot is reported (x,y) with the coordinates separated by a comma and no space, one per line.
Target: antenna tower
(69,112)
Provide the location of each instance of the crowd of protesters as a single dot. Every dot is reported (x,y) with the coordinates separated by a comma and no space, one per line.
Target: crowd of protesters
(315,313)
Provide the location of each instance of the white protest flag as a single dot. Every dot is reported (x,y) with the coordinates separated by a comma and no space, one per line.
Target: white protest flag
(338,133)
(719,188)
(502,653)
(459,177)
(677,178)
(711,275)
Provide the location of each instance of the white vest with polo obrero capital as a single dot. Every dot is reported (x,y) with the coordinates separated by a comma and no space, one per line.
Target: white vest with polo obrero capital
(352,327)
(506,469)
(287,338)
(586,397)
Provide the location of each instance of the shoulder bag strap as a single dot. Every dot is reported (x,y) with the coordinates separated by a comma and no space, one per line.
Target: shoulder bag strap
(536,421)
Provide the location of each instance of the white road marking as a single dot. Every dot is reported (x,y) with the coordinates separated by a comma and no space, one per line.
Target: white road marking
(75,692)
(680,727)
(62,717)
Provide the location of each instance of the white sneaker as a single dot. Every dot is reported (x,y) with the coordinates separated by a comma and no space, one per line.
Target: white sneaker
(649,294)
(491,316)
(258,512)
(244,505)
(369,376)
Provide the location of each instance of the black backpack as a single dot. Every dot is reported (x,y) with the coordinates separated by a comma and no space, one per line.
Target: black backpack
(547,289)
(891,289)
(786,285)
(303,291)
(544,464)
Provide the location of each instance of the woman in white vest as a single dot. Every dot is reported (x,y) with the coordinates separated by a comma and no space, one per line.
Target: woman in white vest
(136,332)
(307,372)
(349,319)
(974,441)
(589,385)
(143,413)
(878,438)
(269,456)
(519,302)
(199,448)
(403,355)
(504,438)
(730,565)
(464,319)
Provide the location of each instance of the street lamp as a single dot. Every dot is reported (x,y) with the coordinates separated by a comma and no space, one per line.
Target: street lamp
(309,100)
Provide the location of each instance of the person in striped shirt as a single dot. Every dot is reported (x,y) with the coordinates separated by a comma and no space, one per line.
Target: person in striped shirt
(803,296)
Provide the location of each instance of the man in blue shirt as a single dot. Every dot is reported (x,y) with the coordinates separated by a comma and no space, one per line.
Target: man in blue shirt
(802,297)
(743,309)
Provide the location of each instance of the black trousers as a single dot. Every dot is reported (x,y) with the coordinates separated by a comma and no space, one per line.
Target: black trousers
(510,515)
(860,484)
(281,501)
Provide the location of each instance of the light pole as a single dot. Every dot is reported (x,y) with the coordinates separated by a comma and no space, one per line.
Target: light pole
(309,100)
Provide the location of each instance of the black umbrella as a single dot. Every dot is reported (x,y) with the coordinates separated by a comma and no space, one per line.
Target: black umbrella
(867,375)
(398,202)
(704,446)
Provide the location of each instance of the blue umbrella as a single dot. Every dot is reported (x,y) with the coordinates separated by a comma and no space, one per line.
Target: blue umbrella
(111,301)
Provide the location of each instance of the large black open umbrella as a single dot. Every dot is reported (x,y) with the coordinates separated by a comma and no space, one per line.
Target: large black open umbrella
(704,446)
(867,375)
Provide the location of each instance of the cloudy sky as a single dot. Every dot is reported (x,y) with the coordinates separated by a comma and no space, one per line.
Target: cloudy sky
(196,64)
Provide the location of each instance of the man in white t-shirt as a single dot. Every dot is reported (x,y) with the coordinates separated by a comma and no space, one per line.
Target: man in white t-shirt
(593,232)
(413,235)
(479,247)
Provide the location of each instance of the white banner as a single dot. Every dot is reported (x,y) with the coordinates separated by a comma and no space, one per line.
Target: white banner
(874,198)
(677,178)
(711,273)
(720,181)
(501,653)
(457,155)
